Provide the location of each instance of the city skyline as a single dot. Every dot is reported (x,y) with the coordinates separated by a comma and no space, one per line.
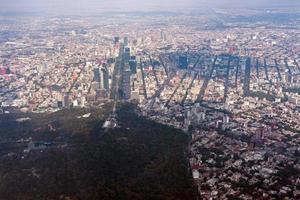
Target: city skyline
(123,100)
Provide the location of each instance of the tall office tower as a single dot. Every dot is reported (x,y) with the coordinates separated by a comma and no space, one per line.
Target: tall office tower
(59,104)
(66,101)
(105,78)
(161,35)
(165,37)
(126,41)
(126,54)
(121,51)
(116,40)
(183,62)
(133,66)
(96,74)
(288,77)
(126,82)
(247,77)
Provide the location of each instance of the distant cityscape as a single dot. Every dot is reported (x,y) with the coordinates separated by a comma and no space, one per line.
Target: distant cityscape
(232,86)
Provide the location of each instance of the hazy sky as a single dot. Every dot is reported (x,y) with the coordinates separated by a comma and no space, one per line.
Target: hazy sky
(94,6)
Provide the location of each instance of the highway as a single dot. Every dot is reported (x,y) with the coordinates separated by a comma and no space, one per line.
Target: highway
(117,75)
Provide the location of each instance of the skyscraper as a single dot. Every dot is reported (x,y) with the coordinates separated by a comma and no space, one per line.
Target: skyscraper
(59,104)
(126,41)
(161,35)
(126,54)
(66,101)
(96,74)
(133,65)
(116,40)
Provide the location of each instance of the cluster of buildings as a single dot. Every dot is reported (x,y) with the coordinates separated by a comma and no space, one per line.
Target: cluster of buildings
(235,91)
(56,69)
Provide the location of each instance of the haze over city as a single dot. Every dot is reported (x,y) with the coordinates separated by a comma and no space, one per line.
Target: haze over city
(80,7)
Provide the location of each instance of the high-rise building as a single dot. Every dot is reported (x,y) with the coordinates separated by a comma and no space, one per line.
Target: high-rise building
(59,104)
(126,41)
(183,62)
(163,36)
(133,66)
(126,54)
(66,101)
(96,74)
(288,77)
(116,40)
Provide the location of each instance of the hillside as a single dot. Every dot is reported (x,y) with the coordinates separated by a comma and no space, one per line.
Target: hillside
(139,160)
